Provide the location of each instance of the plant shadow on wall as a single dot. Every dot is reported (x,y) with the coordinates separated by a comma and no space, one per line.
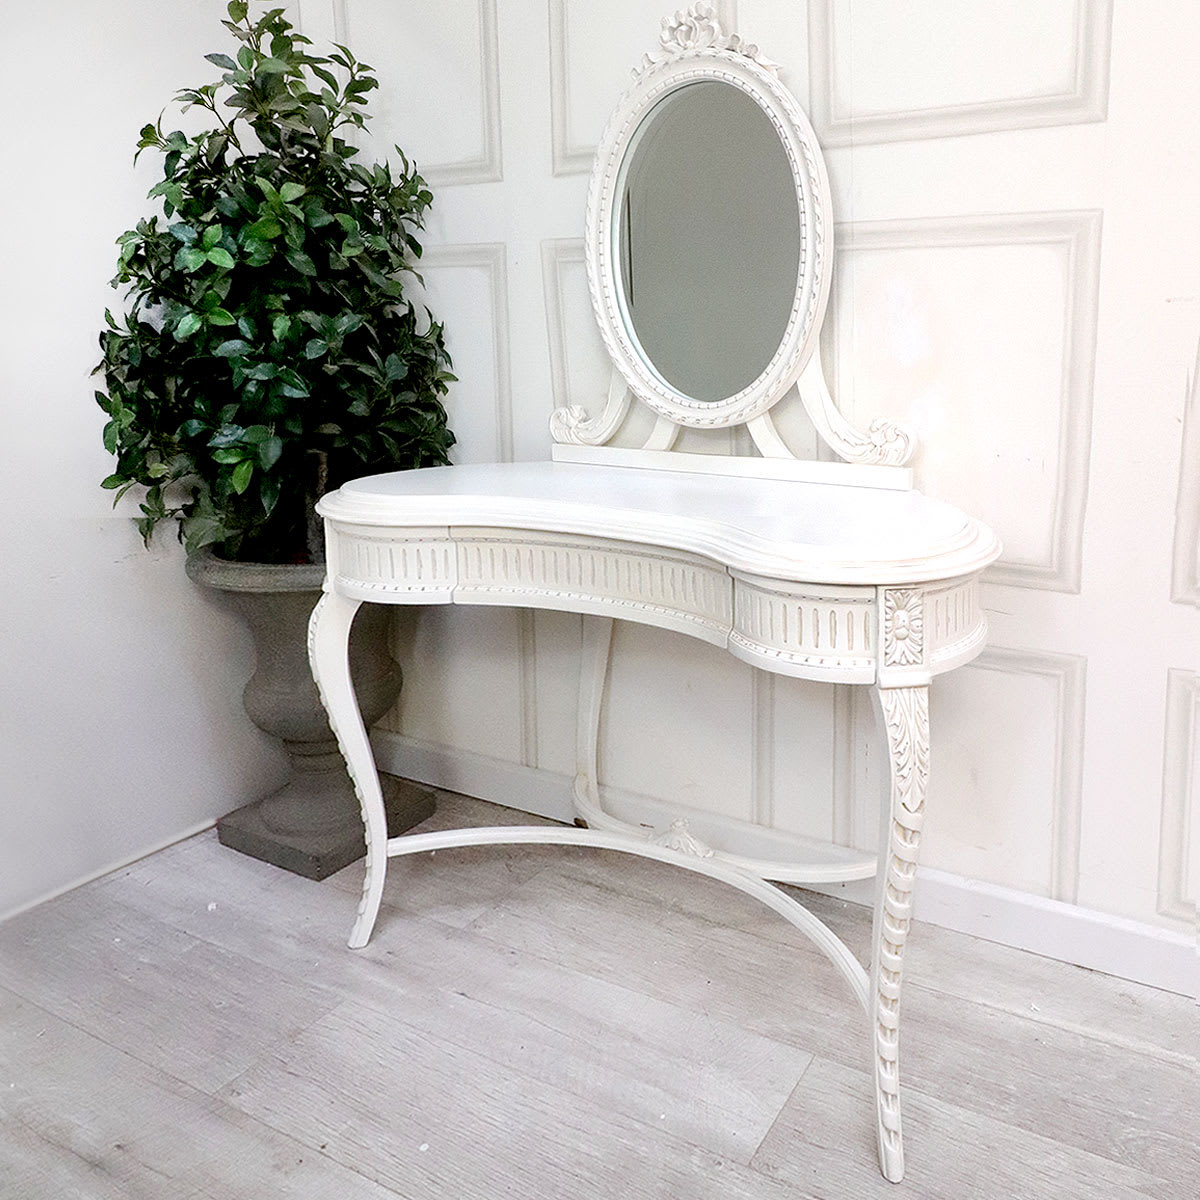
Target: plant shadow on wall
(268,353)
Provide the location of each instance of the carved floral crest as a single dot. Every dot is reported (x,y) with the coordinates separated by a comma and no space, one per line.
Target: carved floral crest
(699,29)
(903,627)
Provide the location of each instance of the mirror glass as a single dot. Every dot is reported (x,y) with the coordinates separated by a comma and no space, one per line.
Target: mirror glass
(708,240)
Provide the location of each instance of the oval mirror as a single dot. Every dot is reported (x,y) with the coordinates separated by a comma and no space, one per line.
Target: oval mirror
(709,240)
(708,228)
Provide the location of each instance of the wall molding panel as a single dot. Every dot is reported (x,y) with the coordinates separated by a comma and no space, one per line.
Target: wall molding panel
(762,739)
(1185,565)
(527,659)
(846,814)
(487,166)
(1084,99)
(1180,739)
(1076,236)
(567,156)
(491,257)
(557,253)
(1068,674)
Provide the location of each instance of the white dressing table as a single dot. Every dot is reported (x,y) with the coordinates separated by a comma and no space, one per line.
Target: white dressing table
(827,571)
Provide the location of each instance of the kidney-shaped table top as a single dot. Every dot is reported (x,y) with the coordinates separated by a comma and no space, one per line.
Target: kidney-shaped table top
(817,532)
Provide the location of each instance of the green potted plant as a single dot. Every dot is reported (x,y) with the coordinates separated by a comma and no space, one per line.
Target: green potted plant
(268,352)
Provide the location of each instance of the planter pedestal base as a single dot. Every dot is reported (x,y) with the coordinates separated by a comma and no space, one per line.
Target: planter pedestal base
(262,830)
(312,825)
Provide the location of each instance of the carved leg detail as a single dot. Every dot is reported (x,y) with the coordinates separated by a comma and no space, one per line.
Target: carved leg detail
(906,717)
(328,654)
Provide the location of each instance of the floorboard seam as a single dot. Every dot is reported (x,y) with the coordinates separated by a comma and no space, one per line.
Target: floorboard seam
(1113,1039)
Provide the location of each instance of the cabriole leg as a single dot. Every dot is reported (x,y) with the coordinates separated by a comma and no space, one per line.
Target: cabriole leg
(328,653)
(906,718)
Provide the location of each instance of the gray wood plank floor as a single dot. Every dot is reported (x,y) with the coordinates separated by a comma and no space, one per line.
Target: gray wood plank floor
(547,1022)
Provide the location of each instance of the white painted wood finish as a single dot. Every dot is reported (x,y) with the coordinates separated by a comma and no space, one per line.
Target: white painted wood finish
(855,579)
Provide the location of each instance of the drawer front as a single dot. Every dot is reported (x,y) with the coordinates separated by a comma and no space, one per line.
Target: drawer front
(813,632)
(594,575)
(410,566)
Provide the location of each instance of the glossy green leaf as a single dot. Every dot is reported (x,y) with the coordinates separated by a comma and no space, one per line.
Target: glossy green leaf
(241,475)
(269,489)
(190,260)
(188,324)
(264,229)
(269,451)
(301,262)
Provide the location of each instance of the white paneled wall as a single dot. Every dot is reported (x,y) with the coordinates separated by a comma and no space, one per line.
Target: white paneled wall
(1016,189)
(981,332)
(884,72)
(1179,838)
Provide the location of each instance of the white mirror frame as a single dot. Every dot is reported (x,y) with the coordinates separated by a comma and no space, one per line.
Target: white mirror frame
(694,49)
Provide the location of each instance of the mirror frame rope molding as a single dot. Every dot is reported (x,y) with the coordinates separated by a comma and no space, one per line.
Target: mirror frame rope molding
(694,48)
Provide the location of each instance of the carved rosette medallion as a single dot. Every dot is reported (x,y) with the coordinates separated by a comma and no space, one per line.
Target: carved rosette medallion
(699,29)
(903,628)
(680,839)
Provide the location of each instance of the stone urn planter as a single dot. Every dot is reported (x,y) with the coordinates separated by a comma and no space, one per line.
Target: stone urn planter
(311,825)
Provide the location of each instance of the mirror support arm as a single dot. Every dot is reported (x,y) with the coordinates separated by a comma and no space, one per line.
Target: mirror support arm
(885,443)
(662,436)
(766,437)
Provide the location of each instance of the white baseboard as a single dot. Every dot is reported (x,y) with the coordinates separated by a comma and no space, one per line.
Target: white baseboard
(543,793)
(118,865)
(1162,958)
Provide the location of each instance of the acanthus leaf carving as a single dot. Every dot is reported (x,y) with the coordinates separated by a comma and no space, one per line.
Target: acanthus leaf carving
(906,719)
(699,29)
(890,443)
(570,424)
(573,426)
